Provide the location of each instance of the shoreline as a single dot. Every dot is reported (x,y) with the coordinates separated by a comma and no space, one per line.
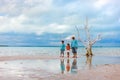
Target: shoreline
(31,57)
(41,57)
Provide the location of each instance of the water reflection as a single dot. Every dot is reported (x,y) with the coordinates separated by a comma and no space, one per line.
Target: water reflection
(74,66)
(89,62)
(62,65)
(68,65)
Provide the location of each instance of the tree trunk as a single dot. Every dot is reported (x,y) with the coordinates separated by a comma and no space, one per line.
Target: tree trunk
(89,51)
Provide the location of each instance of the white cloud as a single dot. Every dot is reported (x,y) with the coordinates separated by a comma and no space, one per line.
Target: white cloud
(43,16)
(72,20)
(37,7)
(16,24)
(98,4)
(58,28)
(9,24)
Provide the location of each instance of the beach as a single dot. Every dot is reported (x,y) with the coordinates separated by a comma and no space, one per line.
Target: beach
(23,63)
(28,68)
(104,72)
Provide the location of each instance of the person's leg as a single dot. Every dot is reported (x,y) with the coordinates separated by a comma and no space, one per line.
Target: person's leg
(67,54)
(75,55)
(63,54)
(75,52)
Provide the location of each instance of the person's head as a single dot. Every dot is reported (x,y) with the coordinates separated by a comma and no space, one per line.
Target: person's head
(73,37)
(68,44)
(62,41)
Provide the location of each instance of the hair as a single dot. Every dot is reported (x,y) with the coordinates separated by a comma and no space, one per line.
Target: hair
(62,41)
(73,37)
(68,44)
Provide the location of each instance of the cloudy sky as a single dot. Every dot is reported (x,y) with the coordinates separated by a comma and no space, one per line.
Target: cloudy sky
(47,22)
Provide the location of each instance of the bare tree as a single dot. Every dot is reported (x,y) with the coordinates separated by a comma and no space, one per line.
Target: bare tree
(88,43)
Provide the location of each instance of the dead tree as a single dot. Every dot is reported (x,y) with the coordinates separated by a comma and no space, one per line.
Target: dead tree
(88,43)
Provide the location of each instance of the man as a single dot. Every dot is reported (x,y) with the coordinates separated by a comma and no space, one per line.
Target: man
(74,46)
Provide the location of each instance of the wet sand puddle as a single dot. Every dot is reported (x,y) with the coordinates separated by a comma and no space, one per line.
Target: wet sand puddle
(34,69)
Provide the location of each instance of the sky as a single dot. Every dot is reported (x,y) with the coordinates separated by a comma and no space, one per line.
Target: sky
(47,22)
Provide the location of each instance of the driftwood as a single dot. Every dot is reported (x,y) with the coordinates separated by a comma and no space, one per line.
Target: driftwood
(88,43)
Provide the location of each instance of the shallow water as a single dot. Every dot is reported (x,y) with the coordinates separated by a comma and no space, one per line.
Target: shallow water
(12,51)
(45,68)
(34,69)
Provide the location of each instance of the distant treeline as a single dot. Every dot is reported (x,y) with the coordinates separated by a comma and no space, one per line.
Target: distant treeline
(4,46)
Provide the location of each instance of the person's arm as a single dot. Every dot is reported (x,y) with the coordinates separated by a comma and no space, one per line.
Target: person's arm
(64,46)
(71,45)
(76,44)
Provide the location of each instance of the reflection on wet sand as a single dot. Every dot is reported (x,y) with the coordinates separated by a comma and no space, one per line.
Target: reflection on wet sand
(89,62)
(69,67)
(62,65)
(74,66)
(70,64)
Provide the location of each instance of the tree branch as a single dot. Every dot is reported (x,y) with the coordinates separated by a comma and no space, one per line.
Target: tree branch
(78,33)
(96,39)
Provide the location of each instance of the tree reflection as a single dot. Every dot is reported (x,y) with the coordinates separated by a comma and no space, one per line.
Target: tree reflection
(89,62)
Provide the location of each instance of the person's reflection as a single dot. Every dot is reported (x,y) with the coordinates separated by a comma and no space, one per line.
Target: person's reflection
(89,61)
(62,65)
(74,66)
(68,65)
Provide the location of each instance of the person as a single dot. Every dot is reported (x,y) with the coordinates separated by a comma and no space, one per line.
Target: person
(68,49)
(74,46)
(62,49)
(68,65)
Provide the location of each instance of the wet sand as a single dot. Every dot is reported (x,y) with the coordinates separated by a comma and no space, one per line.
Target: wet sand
(104,72)
(101,72)
(6,58)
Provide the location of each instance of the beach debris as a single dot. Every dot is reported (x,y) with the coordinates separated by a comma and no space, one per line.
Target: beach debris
(89,42)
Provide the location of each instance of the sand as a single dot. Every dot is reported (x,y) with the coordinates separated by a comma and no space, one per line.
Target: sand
(7,58)
(101,72)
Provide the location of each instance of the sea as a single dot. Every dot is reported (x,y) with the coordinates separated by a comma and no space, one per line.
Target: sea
(55,51)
